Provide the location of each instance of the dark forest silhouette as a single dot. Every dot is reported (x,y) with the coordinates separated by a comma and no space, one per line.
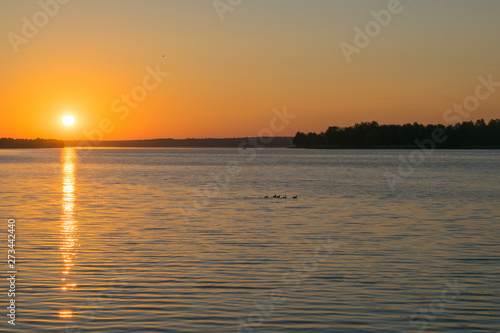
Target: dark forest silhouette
(30,143)
(367,135)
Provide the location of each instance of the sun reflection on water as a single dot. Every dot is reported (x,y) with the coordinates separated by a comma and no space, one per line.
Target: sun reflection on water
(69,225)
(65,314)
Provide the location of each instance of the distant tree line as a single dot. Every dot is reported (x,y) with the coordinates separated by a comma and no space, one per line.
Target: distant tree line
(478,134)
(30,143)
(268,142)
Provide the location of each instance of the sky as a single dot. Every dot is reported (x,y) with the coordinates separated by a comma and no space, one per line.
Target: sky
(202,68)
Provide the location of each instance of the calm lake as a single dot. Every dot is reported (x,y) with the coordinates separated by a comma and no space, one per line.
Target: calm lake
(183,240)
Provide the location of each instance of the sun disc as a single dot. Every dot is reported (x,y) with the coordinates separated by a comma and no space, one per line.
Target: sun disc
(68,120)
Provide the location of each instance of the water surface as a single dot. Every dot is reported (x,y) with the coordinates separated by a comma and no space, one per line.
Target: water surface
(182,240)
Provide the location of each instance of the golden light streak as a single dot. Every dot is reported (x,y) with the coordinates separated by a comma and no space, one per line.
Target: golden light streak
(69,225)
(65,314)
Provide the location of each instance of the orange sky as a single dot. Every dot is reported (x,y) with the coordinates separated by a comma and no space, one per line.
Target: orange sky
(226,77)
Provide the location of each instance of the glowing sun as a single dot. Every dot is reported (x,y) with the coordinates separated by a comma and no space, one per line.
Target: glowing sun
(68,120)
